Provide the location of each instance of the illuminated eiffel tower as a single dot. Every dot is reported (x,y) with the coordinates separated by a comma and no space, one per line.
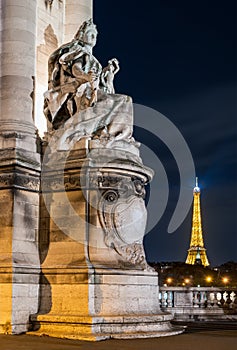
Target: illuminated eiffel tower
(197,252)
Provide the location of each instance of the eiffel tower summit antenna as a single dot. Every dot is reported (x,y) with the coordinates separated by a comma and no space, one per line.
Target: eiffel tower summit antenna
(197,252)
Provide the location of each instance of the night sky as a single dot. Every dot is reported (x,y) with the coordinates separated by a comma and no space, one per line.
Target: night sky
(179,58)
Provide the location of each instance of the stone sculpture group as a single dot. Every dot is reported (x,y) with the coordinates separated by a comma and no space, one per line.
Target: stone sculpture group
(81,104)
(76,77)
(93,183)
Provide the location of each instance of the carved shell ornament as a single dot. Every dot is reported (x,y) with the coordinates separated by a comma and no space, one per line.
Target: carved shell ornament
(123,217)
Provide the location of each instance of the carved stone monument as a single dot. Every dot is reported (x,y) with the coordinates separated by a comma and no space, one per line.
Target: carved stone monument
(95,282)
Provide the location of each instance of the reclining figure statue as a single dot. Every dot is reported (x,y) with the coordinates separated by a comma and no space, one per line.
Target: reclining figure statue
(81,100)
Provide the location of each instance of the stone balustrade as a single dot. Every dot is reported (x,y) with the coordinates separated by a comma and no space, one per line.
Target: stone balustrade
(199,303)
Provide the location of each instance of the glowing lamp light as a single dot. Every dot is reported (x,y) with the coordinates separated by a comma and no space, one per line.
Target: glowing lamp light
(209,279)
(187,280)
(169,280)
(225,280)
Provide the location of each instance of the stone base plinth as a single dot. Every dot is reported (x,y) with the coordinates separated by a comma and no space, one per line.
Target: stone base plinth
(100,328)
(19,292)
(121,304)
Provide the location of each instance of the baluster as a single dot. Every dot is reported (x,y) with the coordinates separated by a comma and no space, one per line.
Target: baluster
(202,299)
(222,299)
(209,300)
(163,299)
(218,297)
(195,299)
(235,302)
(215,300)
(232,298)
(160,298)
(170,299)
(228,300)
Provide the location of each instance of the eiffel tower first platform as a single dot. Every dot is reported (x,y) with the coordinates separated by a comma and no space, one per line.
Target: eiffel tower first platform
(197,252)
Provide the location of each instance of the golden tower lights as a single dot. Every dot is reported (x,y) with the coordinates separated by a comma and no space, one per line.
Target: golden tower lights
(197,252)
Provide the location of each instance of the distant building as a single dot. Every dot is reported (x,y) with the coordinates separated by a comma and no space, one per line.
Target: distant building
(197,252)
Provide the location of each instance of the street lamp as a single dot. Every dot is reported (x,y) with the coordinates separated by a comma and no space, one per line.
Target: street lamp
(208,279)
(225,280)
